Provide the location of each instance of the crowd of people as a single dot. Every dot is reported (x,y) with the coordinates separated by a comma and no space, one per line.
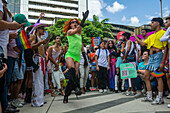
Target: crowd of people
(57,70)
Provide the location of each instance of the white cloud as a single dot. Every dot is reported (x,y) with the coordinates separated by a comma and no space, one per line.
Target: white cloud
(165,8)
(167,13)
(115,8)
(124,18)
(103,3)
(134,20)
(95,7)
(149,17)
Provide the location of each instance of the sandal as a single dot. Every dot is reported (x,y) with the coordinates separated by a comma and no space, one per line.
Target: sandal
(53,93)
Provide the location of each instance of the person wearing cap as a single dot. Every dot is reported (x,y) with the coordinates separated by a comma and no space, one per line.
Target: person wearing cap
(156,59)
(12,53)
(39,57)
(166,37)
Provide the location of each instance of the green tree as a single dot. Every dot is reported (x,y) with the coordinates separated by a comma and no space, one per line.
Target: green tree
(90,29)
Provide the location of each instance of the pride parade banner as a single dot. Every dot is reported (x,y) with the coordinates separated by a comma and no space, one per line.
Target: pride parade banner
(95,41)
(128,70)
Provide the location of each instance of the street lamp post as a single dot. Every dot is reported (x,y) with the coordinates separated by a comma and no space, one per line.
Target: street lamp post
(161,8)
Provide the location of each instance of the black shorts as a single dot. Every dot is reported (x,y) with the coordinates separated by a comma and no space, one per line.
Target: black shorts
(28,54)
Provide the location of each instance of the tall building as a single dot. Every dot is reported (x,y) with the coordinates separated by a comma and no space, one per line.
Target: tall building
(53,9)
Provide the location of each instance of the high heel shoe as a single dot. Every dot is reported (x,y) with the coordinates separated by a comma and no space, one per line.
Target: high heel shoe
(65,100)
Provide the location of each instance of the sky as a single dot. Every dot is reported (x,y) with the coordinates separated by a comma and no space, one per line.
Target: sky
(128,12)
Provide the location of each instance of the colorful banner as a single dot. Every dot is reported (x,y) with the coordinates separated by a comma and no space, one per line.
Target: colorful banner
(22,40)
(128,70)
(95,41)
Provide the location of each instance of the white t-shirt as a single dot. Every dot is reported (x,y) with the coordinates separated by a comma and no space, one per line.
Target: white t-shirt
(102,58)
(165,37)
(4,34)
(131,48)
(82,58)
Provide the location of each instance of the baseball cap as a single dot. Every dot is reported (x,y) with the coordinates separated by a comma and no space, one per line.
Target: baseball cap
(158,19)
(20,18)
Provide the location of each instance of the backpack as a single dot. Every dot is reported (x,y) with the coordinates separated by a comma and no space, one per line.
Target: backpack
(99,53)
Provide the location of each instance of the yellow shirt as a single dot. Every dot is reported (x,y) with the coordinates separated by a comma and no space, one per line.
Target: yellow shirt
(154,40)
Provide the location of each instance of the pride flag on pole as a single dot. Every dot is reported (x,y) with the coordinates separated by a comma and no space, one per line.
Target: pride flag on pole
(22,40)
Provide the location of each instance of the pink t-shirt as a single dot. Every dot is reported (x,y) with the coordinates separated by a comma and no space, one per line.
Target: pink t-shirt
(10,49)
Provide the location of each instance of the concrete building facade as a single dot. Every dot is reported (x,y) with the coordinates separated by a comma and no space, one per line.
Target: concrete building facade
(52,9)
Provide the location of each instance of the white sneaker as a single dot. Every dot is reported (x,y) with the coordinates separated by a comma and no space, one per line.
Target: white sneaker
(16,103)
(168,105)
(132,93)
(100,90)
(105,91)
(116,88)
(168,97)
(138,95)
(157,101)
(128,93)
(147,99)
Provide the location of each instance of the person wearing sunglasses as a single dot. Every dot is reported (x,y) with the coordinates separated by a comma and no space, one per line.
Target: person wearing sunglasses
(72,30)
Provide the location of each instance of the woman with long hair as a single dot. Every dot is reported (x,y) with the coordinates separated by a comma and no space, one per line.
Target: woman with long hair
(113,54)
(72,30)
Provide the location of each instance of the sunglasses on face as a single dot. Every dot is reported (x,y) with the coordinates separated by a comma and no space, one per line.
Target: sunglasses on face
(41,28)
(95,48)
(74,22)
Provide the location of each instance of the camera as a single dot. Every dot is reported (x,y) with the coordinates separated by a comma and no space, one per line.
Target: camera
(1,58)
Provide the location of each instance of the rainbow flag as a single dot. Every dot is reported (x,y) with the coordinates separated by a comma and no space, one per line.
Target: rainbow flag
(22,40)
(121,46)
(157,74)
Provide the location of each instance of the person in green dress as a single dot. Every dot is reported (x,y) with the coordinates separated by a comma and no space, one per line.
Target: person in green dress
(72,30)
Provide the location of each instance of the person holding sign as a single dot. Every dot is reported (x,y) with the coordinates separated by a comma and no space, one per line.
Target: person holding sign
(129,57)
(72,30)
(102,65)
(156,59)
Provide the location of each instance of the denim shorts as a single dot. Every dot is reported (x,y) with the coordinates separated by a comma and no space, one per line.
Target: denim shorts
(154,61)
(18,75)
(118,62)
(93,68)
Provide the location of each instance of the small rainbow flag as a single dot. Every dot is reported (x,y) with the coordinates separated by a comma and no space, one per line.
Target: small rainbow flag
(157,74)
(120,43)
(122,48)
(165,69)
(22,40)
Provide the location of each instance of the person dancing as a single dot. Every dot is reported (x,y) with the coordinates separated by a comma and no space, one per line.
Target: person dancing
(72,30)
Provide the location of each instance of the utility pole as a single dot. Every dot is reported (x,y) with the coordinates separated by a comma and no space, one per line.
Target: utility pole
(86,4)
(161,8)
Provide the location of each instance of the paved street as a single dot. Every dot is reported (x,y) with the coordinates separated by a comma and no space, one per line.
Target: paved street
(99,103)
